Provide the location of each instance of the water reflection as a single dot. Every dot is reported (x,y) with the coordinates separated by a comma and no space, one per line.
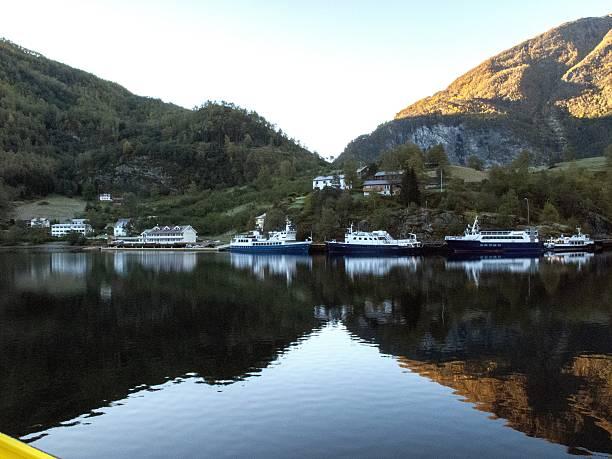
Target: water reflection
(526,340)
(155,261)
(262,266)
(375,266)
(477,266)
(578,259)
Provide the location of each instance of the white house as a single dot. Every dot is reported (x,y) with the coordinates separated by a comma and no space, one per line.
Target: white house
(40,223)
(167,235)
(121,227)
(105,197)
(331,181)
(76,225)
(260,220)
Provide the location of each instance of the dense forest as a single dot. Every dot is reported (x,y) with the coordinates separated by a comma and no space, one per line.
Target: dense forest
(62,128)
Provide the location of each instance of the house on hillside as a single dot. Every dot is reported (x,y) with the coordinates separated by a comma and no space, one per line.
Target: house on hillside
(168,235)
(121,227)
(329,181)
(76,225)
(386,183)
(105,197)
(40,223)
(260,220)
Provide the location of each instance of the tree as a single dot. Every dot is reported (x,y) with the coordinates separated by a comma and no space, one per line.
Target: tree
(608,155)
(328,224)
(436,156)
(264,179)
(475,162)
(89,191)
(410,192)
(286,169)
(550,214)
(350,174)
(275,219)
(509,203)
(402,156)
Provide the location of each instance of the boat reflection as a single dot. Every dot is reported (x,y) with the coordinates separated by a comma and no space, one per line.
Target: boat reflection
(578,259)
(475,267)
(159,262)
(263,266)
(375,266)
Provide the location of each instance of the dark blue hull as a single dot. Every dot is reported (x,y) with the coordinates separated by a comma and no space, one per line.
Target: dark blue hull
(340,248)
(297,248)
(524,248)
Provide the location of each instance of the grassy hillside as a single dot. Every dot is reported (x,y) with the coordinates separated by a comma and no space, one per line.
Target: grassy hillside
(51,207)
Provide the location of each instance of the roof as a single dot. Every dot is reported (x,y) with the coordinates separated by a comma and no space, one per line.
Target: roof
(328,177)
(376,182)
(383,173)
(167,229)
(122,222)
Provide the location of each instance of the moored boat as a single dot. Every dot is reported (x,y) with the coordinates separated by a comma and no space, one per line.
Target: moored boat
(373,243)
(280,242)
(575,243)
(495,241)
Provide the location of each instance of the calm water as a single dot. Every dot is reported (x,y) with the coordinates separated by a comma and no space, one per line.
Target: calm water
(193,355)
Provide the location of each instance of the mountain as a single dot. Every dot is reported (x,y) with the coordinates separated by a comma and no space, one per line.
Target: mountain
(62,128)
(550,95)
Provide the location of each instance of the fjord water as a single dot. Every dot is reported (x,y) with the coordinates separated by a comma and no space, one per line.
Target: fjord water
(167,354)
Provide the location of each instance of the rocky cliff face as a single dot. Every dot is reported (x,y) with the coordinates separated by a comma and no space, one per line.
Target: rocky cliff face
(547,94)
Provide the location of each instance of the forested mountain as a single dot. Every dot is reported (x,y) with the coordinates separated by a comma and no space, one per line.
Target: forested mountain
(551,95)
(61,128)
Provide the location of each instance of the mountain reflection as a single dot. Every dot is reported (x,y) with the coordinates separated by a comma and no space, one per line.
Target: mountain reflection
(526,340)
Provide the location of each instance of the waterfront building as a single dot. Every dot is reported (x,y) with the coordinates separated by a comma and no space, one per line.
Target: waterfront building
(168,235)
(76,225)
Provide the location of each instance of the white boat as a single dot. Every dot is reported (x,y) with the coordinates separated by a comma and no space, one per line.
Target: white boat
(373,243)
(576,242)
(283,241)
(495,241)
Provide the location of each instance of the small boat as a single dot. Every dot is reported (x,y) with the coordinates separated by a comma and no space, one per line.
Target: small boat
(496,241)
(373,243)
(280,242)
(576,242)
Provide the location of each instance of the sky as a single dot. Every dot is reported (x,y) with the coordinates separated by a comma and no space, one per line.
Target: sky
(324,72)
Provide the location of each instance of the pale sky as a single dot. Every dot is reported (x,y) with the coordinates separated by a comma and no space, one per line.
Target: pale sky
(323,71)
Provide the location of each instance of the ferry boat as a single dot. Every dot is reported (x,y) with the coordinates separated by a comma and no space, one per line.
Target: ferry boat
(497,241)
(373,243)
(280,242)
(576,242)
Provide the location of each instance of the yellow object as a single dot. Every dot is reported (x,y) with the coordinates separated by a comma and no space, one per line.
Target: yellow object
(14,449)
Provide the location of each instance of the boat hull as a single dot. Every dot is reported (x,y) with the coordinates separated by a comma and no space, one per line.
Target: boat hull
(341,248)
(524,248)
(572,248)
(296,248)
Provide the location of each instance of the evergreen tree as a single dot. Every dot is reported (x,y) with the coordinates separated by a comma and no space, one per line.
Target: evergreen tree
(410,192)
(550,214)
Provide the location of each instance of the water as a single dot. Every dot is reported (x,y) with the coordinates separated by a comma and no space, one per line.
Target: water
(164,354)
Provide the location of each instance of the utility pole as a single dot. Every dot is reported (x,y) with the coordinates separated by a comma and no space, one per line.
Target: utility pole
(441,177)
(527,201)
